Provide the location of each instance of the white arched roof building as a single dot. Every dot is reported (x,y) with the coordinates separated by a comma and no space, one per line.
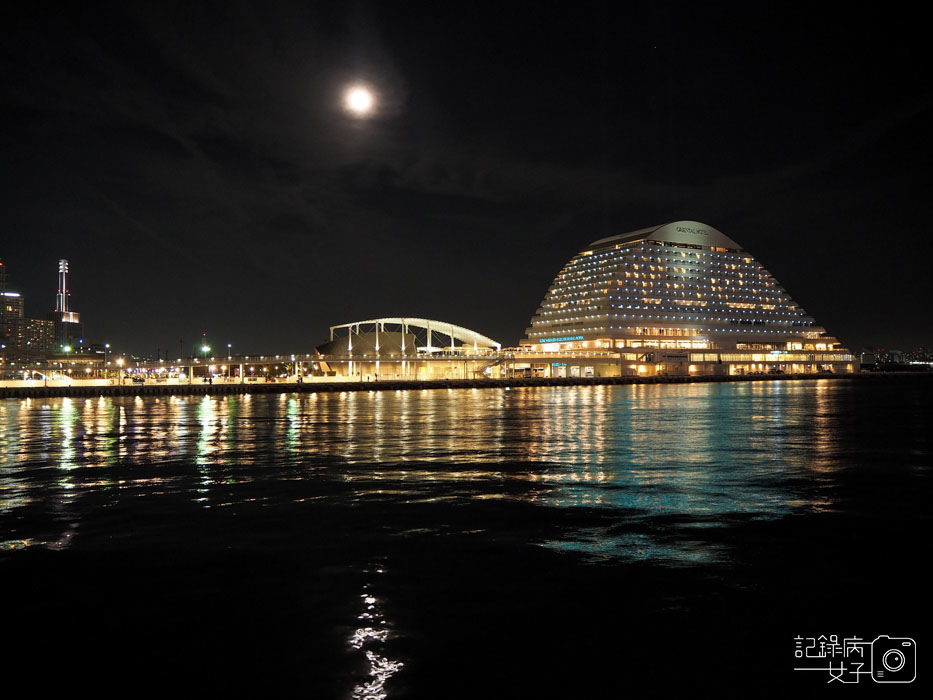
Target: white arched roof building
(409,334)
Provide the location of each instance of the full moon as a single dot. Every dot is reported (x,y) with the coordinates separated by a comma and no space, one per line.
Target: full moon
(358,101)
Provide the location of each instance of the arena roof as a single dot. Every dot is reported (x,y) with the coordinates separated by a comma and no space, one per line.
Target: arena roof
(464,335)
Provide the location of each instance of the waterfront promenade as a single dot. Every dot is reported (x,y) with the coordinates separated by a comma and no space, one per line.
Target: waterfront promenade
(92,388)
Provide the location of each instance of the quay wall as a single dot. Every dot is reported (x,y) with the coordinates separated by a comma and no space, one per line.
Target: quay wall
(143,390)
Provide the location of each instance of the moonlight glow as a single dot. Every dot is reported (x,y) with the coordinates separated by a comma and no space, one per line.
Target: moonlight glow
(359,101)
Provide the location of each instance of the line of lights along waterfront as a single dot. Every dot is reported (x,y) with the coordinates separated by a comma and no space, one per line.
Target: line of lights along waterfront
(677,299)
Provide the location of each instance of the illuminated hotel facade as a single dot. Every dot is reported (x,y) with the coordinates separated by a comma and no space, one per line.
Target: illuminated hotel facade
(681,298)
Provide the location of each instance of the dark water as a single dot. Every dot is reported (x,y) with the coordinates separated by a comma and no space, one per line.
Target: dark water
(550,542)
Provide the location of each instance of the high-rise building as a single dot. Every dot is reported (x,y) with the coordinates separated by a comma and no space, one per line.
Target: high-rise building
(69,331)
(4,335)
(21,336)
(681,298)
(11,307)
(38,335)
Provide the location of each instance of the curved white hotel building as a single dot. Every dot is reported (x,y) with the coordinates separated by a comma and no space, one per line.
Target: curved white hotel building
(682,298)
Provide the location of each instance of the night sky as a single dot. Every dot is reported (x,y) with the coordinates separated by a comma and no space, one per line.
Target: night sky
(196,166)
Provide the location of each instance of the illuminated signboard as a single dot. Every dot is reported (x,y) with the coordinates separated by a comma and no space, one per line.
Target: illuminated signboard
(561,340)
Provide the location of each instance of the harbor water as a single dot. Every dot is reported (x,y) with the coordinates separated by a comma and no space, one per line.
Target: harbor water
(579,541)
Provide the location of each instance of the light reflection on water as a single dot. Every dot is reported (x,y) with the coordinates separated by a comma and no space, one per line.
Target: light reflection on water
(660,459)
(370,638)
(698,453)
(663,474)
